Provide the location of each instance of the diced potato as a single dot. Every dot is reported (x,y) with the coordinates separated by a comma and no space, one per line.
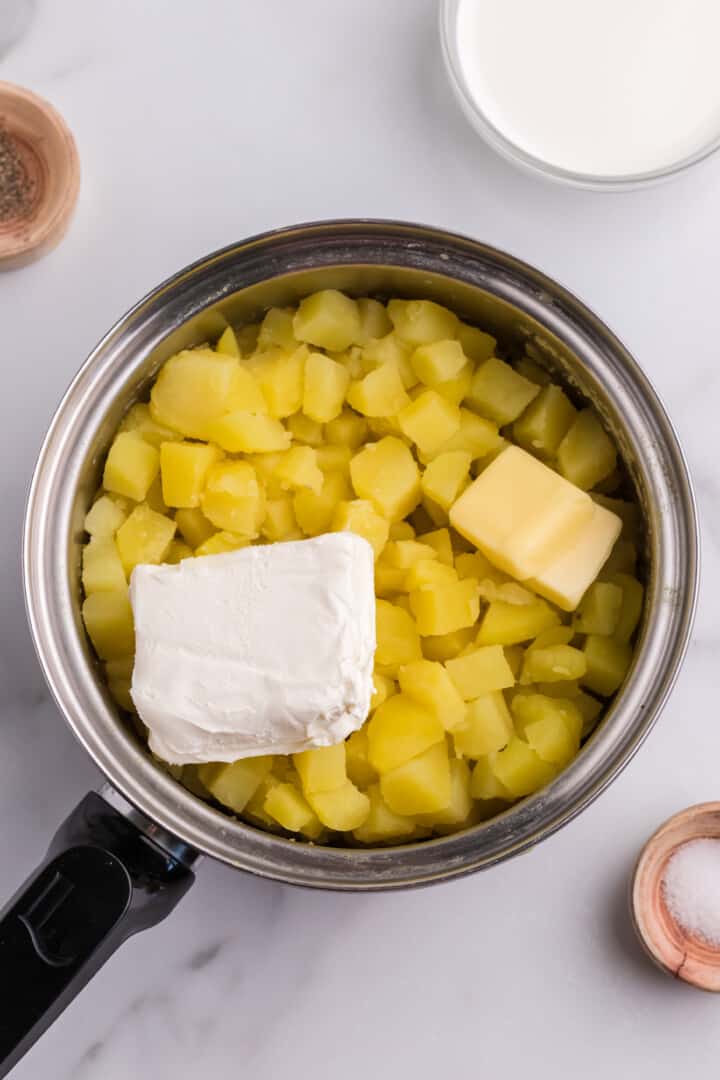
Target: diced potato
(435,512)
(587,454)
(420,322)
(386,473)
(192,389)
(400,729)
(428,572)
(304,430)
(105,517)
(421,785)
(326,383)
(520,513)
(607,661)
(361,517)
(220,543)
(382,824)
(281,376)
(457,389)
(328,319)
(250,433)
(476,344)
(287,806)
(247,338)
(388,580)
(508,624)
(487,726)
(120,693)
(178,551)
(444,647)
(429,421)
(384,687)
(499,393)
(144,538)
(599,609)
(139,420)
(297,468)
(108,620)
(485,785)
(194,527)
(520,769)
(315,512)
(475,435)
(233,499)
(403,554)
(554,635)
(460,807)
(390,350)
(183,470)
(630,608)
(545,422)
(380,393)
(279,522)
(102,570)
(276,330)
(440,541)
(334,458)
(403,601)
(429,684)
(442,608)
(347,430)
(590,710)
(154,497)
(514,654)
(357,762)
(245,393)
(446,477)
(322,768)
(227,343)
(343,810)
(235,783)
(551,726)
(374,320)
(480,672)
(438,361)
(554,663)
(398,642)
(131,466)
(475,565)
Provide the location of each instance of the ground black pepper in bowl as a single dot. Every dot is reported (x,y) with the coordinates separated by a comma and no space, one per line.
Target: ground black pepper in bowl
(18,189)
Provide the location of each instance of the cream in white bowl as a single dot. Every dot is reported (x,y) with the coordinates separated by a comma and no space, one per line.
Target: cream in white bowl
(600,88)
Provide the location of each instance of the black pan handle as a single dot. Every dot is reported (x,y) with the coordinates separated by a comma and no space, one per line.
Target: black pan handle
(103,879)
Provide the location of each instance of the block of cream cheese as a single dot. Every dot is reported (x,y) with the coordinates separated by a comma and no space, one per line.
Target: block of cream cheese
(565,579)
(264,650)
(520,513)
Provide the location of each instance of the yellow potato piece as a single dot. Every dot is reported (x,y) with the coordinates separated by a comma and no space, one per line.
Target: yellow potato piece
(499,393)
(401,729)
(194,526)
(374,320)
(297,468)
(421,321)
(361,517)
(386,473)
(192,389)
(131,466)
(442,608)
(235,783)
(380,393)
(429,421)
(520,769)
(328,319)
(326,383)
(508,624)
(438,362)
(287,806)
(183,470)
(545,422)
(421,785)
(139,419)
(304,430)
(279,522)
(446,477)
(347,430)
(144,537)
(227,343)
(105,517)
(382,825)
(220,543)
(250,433)
(102,569)
(357,763)
(480,672)
(398,641)
(233,499)
(459,809)
(429,684)
(587,454)
(321,769)
(607,663)
(487,726)
(276,330)
(315,511)
(109,622)
(343,810)
(281,376)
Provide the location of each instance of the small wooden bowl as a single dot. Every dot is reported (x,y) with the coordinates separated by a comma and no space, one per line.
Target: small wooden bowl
(45,151)
(675,950)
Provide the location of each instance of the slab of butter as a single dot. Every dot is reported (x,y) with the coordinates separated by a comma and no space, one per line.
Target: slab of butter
(264,650)
(536,526)
(566,578)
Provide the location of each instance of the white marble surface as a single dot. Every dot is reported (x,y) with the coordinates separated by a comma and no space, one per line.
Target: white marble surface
(199,123)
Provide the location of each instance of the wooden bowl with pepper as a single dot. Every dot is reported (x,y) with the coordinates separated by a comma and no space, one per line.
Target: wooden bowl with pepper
(39,176)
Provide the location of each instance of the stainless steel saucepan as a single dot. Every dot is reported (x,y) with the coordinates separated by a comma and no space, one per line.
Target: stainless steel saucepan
(124,857)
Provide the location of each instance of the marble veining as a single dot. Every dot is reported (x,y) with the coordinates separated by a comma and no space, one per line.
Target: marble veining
(198,124)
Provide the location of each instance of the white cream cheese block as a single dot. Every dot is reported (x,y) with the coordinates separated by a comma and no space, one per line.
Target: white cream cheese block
(265,650)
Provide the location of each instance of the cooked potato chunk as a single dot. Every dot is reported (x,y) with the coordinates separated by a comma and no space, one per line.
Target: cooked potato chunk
(480,672)
(586,455)
(438,362)
(194,526)
(422,321)
(321,769)
(347,430)
(183,470)
(554,663)
(545,422)
(398,642)
(421,785)
(105,517)
(607,663)
(446,477)
(520,769)
(599,609)
(382,824)
(429,684)
(192,389)
(499,393)
(109,622)
(357,762)
(281,376)
(328,319)
(508,624)
(400,729)
(361,517)
(234,784)
(315,511)
(144,537)
(250,433)
(102,570)
(344,809)
(131,466)
(233,499)
(487,726)
(429,421)
(386,474)
(287,806)
(326,382)
(442,608)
